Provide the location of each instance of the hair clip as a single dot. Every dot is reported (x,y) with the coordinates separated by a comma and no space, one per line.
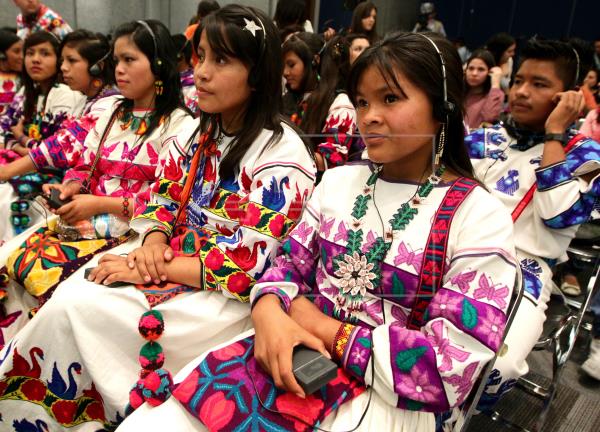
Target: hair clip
(252,27)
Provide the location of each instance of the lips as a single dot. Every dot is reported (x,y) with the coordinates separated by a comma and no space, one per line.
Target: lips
(520,106)
(35,69)
(201,91)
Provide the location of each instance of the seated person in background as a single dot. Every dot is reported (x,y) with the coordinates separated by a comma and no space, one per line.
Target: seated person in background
(186,71)
(590,89)
(36,16)
(358,43)
(364,21)
(591,125)
(11,64)
(545,177)
(362,258)
(503,46)
(484,99)
(87,67)
(427,21)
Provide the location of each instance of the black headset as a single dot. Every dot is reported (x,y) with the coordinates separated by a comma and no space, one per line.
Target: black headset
(443,111)
(156,62)
(2,55)
(96,69)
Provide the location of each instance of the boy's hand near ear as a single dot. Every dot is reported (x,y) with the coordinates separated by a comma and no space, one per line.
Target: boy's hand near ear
(568,107)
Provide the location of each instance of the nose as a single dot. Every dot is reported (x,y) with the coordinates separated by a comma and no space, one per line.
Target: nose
(201,72)
(368,115)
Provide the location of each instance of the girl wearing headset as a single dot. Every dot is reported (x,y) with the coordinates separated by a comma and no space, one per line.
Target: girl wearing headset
(211,227)
(354,280)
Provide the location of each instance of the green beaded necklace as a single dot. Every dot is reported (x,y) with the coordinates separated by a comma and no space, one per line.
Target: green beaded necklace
(361,272)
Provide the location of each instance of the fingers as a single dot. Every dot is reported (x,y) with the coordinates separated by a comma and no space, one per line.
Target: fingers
(286,374)
(169,254)
(316,344)
(110,257)
(159,262)
(131,257)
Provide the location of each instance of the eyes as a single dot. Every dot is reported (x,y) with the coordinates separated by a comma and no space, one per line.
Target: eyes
(536,84)
(43,52)
(387,99)
(218,59)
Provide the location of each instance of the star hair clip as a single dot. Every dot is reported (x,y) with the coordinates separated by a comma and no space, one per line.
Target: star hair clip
(252,27)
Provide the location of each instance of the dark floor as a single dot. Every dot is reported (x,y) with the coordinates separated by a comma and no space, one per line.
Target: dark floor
(576,407)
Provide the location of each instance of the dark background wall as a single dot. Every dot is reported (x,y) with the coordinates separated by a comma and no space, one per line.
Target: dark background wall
(477,20)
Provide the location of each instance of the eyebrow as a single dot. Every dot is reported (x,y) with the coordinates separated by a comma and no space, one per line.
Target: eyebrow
(536,78)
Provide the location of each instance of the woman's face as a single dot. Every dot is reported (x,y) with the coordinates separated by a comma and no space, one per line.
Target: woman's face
(133,73)
(509,53)
(40,62)
(368,23)
(222,85)
(14,57)
(74,69)
(476,73)
(591,79)
(357,47)
(293,70)
(397,124)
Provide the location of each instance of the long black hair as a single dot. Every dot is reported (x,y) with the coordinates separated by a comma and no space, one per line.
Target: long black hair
(498,44)
(32,90)
(95,49)
(162,55)
(416,58)
(261,53)
(362,11)
(306,46)
(290,12)
(333,70)
(486,57)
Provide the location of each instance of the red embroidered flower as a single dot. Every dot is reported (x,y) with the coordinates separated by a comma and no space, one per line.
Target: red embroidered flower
(163,215)
(216,412)
(184,391)
(95,411)
(34,390)
(238,283)
(306,409)
(64,411)
(252,215)
(214,260)
(276,225)
(229,352)
(232,207)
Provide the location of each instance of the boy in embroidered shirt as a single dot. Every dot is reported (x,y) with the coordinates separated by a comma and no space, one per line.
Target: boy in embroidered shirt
(546,176)
(36,16)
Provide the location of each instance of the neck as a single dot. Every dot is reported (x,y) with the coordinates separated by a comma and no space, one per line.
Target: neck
(92,92)
(476,90)
(413,168)
(45,86)
(145,103)
(232,122)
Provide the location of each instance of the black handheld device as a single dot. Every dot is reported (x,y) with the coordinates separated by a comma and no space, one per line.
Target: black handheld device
(311,369)
(54,200)
(119,284)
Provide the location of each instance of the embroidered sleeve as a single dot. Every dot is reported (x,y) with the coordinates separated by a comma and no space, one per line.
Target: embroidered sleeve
(339,127)
(10,118)
(564,198)
(293,271)
(281,179)
(435,368)
(475,143)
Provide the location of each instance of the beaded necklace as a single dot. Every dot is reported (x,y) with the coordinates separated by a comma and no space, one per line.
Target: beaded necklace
(358,271)
(139,125)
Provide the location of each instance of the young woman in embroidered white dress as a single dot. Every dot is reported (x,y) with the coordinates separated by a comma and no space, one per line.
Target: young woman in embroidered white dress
(371,245)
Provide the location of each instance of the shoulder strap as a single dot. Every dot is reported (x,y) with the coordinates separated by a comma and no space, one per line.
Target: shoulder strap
(113,116)
(529,195)
(434,257)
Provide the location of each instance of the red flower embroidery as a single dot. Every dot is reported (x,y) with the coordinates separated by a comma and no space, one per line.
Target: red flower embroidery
(34,390)
(214,260)
(252,215)
(276,225)
(217,412)
(95,411)
(306,409)
(229,352)
(64,411)
(187,388)
(163,215)
(238,283)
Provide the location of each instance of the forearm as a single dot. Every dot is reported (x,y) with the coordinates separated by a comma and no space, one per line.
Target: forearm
(185,271)
(19,167)
(116,206)
(553,153)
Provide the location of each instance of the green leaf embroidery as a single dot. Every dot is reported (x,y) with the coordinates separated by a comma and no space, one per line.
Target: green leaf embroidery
(323,255)
(406,359)
(287,247)
(355,370)
(189,246)
(378,250)
(469,315)
(425,189)
(360,206)
(403,217)
(288,277)
(354,241)
(397,286)
(365,342)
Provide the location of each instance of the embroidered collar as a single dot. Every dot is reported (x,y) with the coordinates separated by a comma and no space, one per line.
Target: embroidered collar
(525,139)
(139,125)
(360,271)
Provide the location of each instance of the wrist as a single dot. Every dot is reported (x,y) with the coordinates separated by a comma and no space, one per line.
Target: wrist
(155,237)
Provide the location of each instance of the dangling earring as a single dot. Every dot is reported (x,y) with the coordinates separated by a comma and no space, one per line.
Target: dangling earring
(96,83)
(158,87)
(439,151)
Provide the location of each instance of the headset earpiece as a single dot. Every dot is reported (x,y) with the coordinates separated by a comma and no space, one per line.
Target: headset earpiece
(96,69)
(156,63)
(2,56)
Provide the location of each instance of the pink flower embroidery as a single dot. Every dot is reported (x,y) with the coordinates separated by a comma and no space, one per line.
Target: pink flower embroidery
(491,326)
(217,412)
(417,386)
(445,304)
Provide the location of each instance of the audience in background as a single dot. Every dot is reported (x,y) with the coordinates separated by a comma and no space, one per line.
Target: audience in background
(503,47)
(36,16)
(484,98)
(427,21)
(358,43)
(364,21)
(11,64)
